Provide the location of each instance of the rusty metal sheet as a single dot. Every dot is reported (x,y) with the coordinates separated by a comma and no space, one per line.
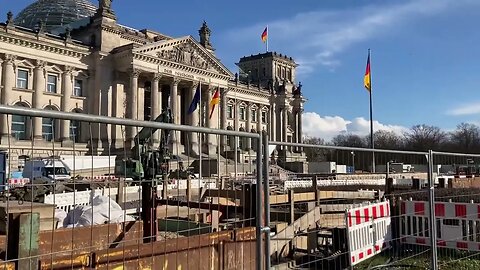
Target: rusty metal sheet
(172,245)
(69,262)
(243,234)
(161,247)
(7,265)
(81,240)
(239,255)
(205,258)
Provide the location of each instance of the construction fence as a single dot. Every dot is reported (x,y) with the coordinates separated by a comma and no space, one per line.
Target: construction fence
(167,196)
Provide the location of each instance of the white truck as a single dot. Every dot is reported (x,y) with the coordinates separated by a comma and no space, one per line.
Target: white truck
(54,169)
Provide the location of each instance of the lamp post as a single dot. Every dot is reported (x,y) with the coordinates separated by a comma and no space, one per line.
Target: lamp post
(353,162)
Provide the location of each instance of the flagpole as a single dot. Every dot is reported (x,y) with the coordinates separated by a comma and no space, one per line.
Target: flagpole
(200,144)
(371,115)
(267,40)
(235,137)
(219,145)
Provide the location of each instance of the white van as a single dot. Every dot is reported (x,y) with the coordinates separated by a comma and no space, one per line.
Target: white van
(51,168)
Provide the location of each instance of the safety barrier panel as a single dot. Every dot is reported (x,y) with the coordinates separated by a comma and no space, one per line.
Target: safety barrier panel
(18,182)
(458,224)
(368,230)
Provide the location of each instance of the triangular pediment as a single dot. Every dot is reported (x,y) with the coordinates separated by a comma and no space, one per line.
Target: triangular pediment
(186,51)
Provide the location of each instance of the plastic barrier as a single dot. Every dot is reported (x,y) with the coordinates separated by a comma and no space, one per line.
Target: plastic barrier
(368,230)
(18,182)
(457,224)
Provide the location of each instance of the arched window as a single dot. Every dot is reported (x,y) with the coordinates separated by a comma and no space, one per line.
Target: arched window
(254,142)
(241,140)
(230,139)
(48,126)
(75,129)
(19,125)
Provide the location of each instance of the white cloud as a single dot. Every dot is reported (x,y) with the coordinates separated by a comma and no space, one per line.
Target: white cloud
(469,109)
(328,33)
(327,127)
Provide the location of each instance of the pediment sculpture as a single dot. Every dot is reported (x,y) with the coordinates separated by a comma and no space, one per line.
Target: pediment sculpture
(184,54)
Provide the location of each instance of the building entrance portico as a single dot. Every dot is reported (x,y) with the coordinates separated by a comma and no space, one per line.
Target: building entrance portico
(165,76)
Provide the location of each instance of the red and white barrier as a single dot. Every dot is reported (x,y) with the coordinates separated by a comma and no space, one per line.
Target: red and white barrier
(457,224)
(369,231)
(18,182)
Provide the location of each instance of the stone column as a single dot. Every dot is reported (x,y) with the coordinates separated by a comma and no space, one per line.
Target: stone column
(285,125)
(132,102)
(194,121)
(8,84)
(248,128)
(156,97)
(67,81)
(1,76)
(280,124)
(259,118)
(273,122)
(156,101)
(39,84)
(174,105)
(223,117)
(300,128)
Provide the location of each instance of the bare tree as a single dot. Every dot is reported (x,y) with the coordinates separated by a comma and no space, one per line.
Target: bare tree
(466,138)
(387,140)
(424,137)
(316,154)
(349,140)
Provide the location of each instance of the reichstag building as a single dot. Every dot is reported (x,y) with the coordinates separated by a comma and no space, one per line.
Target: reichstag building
(73,56)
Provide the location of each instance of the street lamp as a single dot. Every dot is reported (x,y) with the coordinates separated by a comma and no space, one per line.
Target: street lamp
(353,162)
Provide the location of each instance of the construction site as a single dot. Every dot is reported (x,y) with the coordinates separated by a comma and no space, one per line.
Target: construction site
(151,211)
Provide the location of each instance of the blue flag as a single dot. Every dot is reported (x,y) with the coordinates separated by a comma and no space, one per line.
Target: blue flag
(195,101)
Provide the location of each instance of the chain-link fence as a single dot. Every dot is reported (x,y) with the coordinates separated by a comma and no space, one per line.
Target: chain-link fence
(163,196)
(337,211)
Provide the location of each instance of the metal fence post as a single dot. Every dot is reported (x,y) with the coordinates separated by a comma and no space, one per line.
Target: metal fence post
(259,215)
(266,192)
(431,204)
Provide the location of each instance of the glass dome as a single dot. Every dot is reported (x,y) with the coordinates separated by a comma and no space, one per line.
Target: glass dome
(54,13)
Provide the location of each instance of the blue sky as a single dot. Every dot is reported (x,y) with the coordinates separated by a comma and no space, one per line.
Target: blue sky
(425,53)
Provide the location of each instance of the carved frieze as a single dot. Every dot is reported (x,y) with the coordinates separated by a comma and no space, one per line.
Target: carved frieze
(185,54)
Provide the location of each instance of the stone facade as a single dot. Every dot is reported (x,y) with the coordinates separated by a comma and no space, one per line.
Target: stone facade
(100,67)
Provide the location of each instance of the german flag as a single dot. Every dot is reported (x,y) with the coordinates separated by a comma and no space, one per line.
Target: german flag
(265,34)
(215,101)
(367,80)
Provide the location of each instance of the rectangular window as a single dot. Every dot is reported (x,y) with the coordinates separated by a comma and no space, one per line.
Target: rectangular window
(242,113)
(230,111)
(52,83)
(22,79)
(78,88)
(254,115)
(264,117)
